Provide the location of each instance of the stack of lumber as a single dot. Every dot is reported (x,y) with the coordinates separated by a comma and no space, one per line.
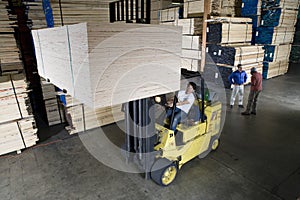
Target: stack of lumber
(17,130)
(9,52)
(276,32)
(275,53)
(17,135)
(234,55)
(225,72)
(191,41)
(226,8)
(273,69)
(53,108)
(14,95)
(85,118)
(85,58)
(274,35)
(76,11)
(155,9)
(295,52)
(193,8)
(36,14)
(279,17)
(226,30)
(169,14)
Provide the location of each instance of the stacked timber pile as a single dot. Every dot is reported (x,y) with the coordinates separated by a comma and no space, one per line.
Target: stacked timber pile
(54,111)
(229,44)
(17,125)
(9,52)
(36,15)
(193,8)
(228,30)
(191,32)
(76,11)
(226,8)
(82,117)
(295,52)
(276,32)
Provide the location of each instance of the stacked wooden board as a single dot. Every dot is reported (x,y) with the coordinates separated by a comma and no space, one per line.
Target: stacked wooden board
(36,14)
(226,71)
(226,30)
(108,64)
(193,8)
(234,54)
(226,8)
(84,118)
(55,114)
(276,32)
(9,52)
(76,11)
(191,41)
(169,14)
(17,125)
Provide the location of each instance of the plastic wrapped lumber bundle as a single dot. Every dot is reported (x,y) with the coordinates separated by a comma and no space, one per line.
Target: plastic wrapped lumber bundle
(284,4)
(193,8)
(274,35)
(234,55)
(273,69)
(251,8)
(274,53)
(229,30)
(225,72)
(278,17)
(270,17)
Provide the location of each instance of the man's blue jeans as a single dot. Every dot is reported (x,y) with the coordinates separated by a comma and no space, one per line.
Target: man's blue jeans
(178,116)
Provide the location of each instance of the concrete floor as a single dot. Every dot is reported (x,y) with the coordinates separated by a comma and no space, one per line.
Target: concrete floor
(258,159)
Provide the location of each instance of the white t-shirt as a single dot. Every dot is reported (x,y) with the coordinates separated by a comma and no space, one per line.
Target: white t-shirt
(182,96)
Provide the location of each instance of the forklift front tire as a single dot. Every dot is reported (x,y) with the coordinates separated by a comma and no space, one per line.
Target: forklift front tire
(164,172)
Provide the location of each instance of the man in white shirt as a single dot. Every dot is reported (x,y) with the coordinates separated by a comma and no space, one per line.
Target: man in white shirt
(186,99)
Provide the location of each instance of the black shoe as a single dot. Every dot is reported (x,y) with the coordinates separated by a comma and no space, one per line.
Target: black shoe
(241,106)
(253,113)
(245,113)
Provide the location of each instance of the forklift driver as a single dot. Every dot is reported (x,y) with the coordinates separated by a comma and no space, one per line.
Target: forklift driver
(186,99)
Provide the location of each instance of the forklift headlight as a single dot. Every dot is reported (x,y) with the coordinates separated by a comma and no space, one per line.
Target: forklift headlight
(157,99)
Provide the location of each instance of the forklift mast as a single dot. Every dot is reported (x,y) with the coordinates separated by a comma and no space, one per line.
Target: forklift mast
(141,135)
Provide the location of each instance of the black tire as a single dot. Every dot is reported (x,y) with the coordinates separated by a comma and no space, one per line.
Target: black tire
(211,147)
(164,172)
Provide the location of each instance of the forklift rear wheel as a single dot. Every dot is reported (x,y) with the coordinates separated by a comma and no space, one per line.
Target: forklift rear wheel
(215,144)
(164,172)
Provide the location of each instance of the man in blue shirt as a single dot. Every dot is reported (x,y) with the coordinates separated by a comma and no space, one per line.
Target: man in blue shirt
(238,78)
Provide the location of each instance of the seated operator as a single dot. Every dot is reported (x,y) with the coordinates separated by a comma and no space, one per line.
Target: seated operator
(186,99)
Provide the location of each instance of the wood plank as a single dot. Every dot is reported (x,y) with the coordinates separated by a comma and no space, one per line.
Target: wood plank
(150,48)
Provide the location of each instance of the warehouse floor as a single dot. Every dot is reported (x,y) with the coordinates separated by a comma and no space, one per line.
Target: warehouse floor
(259,158)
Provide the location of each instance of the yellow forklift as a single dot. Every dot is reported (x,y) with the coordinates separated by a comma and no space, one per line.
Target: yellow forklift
(159,151)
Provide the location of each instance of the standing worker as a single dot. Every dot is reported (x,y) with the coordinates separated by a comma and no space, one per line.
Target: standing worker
(256,88)
(238,78)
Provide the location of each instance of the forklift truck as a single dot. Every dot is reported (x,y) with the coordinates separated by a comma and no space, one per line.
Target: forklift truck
(159,151)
